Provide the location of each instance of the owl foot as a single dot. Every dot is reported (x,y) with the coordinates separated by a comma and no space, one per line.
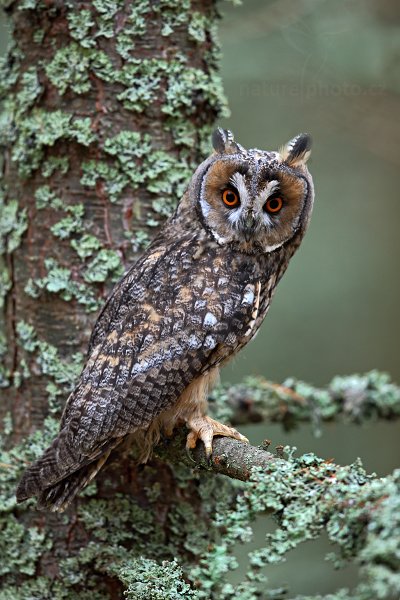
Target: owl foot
(205,428)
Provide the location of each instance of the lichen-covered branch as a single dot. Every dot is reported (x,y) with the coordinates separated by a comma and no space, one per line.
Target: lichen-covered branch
(354,398)
(230,457)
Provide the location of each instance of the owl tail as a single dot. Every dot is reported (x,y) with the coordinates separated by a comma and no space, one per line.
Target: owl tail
(58,497)
(55,486)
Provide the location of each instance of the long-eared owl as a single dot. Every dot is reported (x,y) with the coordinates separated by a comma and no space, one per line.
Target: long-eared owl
(195,298)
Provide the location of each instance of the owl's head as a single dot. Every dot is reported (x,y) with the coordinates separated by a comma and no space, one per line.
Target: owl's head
(255,200)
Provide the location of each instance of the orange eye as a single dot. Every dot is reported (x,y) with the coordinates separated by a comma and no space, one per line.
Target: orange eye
(230,198)
(273,205)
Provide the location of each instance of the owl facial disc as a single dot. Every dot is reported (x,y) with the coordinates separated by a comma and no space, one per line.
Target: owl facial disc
(255,200)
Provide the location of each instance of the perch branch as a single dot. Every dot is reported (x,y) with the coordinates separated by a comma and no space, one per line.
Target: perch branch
(230,457)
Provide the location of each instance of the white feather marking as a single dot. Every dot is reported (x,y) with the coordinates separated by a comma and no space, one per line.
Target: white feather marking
(234,216)
(256,306)
(210,342)
(199,304)
(272,186)
(209,320)
(267,221)
(205,207)
(248,296)
(274,246)
(270,189)
(194,342)
(218,238)
(239,182)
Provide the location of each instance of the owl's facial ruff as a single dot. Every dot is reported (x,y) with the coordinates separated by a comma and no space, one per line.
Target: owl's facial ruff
(271,195)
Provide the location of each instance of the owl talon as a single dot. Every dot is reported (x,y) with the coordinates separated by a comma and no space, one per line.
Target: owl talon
(191,441)
(189,454)
(209,457)
(205,428)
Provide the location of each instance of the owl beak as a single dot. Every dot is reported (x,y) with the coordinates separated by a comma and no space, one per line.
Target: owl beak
(249,226)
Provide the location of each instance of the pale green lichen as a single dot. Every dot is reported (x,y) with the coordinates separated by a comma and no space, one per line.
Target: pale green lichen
(27,4)
(5,285)
(81,130)
(21,547)
(4,371)
(135,26)
(80,24)
(71,67)
(140,240)
(58,280)
(7,424)
(13,224)
(198,26)
(45,197)
(107,10)
(9,70)
(145,579)
(141,80)
(86,245)
(46,356)
(186,86)
(72,224)
(112,176)
(167,177)
(53,164)
(30,89)
(105,264)
(38,36)
(304,494)
(174,14)
(128,146)
(42,129)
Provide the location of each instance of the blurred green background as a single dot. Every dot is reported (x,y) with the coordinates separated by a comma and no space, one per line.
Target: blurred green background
(332,69)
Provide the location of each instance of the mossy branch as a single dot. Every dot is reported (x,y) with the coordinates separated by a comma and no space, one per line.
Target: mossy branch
(355,398)
(230,457)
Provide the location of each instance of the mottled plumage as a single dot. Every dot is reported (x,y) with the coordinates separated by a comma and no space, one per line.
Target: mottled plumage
(198,295)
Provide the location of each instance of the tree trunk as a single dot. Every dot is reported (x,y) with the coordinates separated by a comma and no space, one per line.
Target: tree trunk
(107,109)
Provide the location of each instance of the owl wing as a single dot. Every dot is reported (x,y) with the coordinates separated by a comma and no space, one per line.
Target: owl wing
(139,369)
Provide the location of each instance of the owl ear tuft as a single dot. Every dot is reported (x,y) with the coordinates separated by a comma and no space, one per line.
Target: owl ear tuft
(297,151)
(224,143)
